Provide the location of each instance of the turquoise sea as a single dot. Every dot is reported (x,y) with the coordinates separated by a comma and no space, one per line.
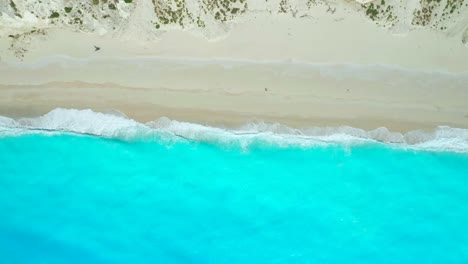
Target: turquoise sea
(70,195)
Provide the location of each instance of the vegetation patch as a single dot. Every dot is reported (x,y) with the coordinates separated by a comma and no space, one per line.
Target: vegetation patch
(54,15)
(311,3)
(452,5)
(20,42)
(424,15)
(169,12)
(68,9)
(283,7)
(381,13)
(13,6)
(225,10)
(427,15)
(78,20)
(200,22)
(372,11)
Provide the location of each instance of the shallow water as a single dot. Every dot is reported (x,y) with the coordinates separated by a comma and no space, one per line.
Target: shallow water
(68,198)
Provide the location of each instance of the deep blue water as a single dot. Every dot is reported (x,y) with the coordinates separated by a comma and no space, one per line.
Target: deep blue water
(82,199)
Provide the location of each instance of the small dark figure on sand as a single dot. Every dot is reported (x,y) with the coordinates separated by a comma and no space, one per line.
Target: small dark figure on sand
(96,48)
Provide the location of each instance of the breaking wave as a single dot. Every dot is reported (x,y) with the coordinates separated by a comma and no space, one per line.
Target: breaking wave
(117,125)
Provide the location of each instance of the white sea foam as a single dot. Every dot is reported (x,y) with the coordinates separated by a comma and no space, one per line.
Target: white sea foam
(117,125)
(76,121)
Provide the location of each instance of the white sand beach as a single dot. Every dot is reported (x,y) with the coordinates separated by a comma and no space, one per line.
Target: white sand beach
(320,69)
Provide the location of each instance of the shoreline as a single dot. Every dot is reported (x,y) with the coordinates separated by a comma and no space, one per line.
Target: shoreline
(115,125)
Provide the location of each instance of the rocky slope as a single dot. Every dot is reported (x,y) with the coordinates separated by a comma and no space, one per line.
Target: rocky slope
(23,19)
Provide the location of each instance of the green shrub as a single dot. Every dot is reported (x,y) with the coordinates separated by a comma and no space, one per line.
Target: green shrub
(13,5)
(54,15)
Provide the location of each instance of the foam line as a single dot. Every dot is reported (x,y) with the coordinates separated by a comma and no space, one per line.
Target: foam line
(120,127)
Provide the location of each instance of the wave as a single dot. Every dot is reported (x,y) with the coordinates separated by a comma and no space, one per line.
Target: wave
(117,125)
